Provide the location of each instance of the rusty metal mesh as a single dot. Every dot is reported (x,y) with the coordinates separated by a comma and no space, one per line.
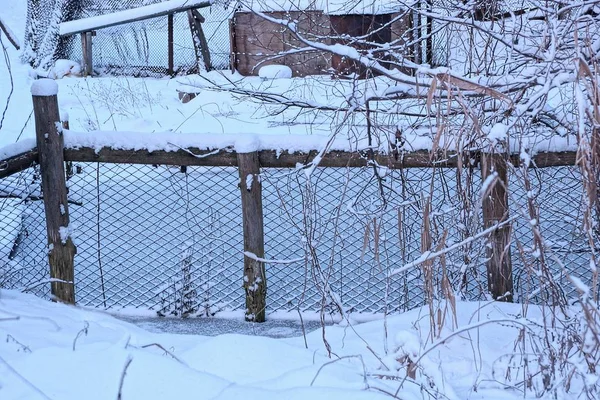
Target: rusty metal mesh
(170,239)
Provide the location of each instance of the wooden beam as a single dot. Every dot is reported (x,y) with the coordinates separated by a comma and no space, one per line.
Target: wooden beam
(255,279)
(10,35)
(201,49)
(50,144)
(18,163)
(205,157)
(131,15)
(544,160)
(268,158)
(285,159)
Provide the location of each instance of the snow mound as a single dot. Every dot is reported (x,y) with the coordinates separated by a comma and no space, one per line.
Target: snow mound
(275,72)
(64,68)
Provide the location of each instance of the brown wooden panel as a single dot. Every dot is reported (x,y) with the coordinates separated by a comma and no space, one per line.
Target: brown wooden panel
(256,39)
(356,26)
(314,26)
(400,34)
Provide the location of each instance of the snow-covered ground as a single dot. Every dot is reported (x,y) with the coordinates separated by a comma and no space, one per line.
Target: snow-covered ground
(52,351)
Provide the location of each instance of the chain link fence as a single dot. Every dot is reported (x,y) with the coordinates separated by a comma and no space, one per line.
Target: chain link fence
(136,49)
(170,239)
(141,48)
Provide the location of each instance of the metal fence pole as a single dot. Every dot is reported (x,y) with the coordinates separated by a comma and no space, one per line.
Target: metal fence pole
(255,281)
(50,144)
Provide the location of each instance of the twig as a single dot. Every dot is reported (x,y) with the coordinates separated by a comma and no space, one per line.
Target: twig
(426,256)
(83,331)
(267,261)
(43,282)
(165,350)
(212,153)
(27,382)
(359,356)
(120,394)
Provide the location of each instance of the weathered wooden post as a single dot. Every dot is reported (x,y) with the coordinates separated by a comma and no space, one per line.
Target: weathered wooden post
(86,48)
(170,40)
(50,145)
(495,210)
(255,281)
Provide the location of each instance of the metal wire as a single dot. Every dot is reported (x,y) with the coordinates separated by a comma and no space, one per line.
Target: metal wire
(170,239)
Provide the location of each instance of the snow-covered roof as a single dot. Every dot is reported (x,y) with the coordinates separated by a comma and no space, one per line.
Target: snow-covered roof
(330,7)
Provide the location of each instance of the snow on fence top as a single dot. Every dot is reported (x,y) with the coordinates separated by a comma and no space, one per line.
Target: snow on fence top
(169,141)
(330,7)
(132,15)
(248,142)
(15,149)
(44,87)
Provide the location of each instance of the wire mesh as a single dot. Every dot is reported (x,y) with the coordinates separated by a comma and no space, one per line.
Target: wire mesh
(170,239)
(557,196)
(137,48)
(21,210)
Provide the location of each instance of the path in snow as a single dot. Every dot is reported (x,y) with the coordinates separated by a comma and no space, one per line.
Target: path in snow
(274,328)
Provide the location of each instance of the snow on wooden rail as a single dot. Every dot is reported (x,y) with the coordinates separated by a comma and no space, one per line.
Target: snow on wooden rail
(227,157)
(131,15)
(194,156)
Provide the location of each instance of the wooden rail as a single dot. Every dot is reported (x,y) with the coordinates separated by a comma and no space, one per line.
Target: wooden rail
(267,159)
(18,163)
(128,16)
(284,159)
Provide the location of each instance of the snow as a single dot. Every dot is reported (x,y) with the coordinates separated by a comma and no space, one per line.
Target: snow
(275,72)
(48,344)
(247,143)
(498,133)
(44,87)
(100,21)
(65,232)
(169,141)
(64,68)
(14,149)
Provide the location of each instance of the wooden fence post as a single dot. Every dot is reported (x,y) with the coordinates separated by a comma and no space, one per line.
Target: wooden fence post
(50,144)
(255,281)
(86,48)
(170,49)
(495,210)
